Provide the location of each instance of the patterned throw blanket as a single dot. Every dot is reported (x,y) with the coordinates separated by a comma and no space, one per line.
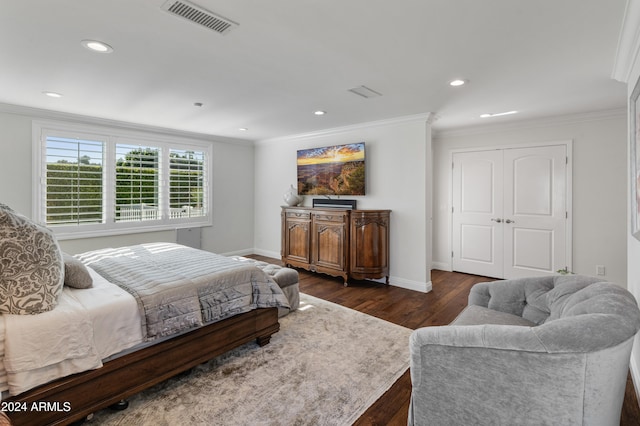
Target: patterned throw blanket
(179,288)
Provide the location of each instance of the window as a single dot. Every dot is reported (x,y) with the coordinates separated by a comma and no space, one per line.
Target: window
(186,183)
(95,181)
(73,181)
(137,183)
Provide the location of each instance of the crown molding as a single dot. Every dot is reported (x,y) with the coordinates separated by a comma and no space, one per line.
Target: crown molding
(427,118)
(44,114)
(628,43)
(533,123)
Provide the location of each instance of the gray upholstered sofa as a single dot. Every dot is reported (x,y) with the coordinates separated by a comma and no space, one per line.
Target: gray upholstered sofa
(550,350)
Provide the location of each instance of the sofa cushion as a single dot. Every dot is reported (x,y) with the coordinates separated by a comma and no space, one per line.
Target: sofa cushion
(31,267)
(476,315)
(526,299)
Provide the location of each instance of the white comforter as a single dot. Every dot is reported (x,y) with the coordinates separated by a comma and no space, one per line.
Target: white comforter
(86,327)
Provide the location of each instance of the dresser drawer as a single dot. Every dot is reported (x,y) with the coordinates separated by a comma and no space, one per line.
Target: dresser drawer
(338,217)
(298,214)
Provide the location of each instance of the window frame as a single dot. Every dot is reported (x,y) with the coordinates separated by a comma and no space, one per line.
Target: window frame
(111,136)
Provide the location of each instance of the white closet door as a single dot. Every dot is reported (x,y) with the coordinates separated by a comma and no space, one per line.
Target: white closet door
(509,212)
(477,212)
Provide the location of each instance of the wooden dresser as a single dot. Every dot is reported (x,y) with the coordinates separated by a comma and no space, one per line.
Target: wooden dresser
(339,242)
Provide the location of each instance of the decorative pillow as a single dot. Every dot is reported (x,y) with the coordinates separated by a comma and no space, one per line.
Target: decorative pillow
(31,267)
(76,275)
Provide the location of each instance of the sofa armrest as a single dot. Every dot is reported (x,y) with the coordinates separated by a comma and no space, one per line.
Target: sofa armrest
(468,375)
(424,342)
(576,334)
(458,377)
(494,336)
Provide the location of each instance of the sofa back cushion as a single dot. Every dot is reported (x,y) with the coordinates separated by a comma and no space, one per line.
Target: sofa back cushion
(571,312)
(31,266)
(536,299)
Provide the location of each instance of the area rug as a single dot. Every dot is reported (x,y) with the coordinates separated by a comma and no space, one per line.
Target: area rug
(325,366)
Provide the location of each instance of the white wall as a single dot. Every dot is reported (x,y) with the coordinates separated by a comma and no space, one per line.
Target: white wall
(233,179)
(599,184)
(397,154)
(628,69)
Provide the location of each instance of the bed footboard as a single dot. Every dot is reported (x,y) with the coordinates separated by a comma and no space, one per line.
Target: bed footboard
(73,398)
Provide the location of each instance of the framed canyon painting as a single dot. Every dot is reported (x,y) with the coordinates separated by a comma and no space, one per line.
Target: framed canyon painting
(332,170)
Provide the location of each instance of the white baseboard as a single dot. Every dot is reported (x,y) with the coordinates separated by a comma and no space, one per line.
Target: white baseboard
(441,266)
(407,284)
(411,285)
(244,252)
(267,253)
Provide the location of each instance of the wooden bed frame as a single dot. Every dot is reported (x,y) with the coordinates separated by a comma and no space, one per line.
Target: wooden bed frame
(75,397)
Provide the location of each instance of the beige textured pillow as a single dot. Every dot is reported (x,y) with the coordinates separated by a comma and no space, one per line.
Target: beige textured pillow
(31,267)
(76,275)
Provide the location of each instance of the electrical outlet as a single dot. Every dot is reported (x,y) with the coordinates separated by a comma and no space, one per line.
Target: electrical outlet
(600,270)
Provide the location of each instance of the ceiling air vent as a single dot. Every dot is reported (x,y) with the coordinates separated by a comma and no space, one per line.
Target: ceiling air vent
(365,92)
(194,13)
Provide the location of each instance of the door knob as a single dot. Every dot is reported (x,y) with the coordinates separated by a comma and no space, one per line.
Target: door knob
(498,220)
(509,221)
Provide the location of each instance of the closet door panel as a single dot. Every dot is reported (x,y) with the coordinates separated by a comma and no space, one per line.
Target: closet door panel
(477,209)
(534,210)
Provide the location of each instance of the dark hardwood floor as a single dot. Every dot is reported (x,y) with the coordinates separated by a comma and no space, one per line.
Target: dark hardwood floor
(412,310)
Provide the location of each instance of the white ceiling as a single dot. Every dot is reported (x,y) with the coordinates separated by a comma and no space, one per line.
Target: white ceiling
(288,58)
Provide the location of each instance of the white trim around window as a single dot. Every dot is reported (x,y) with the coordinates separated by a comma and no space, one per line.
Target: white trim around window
(94,181)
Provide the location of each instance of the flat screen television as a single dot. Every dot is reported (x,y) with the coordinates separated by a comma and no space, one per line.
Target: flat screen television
(332,170)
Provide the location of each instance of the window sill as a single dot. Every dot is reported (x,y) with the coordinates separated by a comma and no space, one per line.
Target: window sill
(76,234)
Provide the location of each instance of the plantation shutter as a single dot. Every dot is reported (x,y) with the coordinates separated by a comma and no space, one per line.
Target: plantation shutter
(91,181)
(137,183)
(74,180)
(187,183)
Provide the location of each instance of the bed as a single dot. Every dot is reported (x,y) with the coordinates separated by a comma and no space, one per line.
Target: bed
(99,345)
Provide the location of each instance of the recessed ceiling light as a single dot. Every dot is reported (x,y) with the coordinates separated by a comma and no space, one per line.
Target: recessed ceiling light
(457,82)
(320,112)
(97,46)
(243,129)
(53,94)
(498,114)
